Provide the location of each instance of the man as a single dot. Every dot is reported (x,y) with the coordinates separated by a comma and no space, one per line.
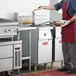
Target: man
(68,33)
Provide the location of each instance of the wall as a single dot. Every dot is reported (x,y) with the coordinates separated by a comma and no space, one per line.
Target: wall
(55,15)
(8,7)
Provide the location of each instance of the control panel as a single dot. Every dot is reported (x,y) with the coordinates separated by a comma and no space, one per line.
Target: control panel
(8,31)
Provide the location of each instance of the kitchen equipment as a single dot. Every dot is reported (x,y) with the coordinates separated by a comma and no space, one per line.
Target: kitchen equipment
(39,17)
(57,54)
(23,19)
(41,48)
(41,20)
(58,45)
(10,55)
(24,33)
(26,19)
(8,28)
(10,48)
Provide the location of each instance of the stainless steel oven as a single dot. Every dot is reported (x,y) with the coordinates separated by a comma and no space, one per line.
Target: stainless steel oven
(10,48)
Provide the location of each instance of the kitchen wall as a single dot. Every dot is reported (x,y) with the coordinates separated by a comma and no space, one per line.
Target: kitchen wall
(8,7)
(55,15)
(25,7)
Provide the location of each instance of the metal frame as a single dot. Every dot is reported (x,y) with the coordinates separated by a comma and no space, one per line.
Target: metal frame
(29,57)
(29,30)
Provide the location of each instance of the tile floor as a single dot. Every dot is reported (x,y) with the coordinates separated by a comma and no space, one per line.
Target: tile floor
(41,67)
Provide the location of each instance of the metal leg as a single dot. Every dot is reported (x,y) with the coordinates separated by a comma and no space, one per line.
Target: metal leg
(35,67)
(51,65)
(18,71)
(29,64)
(8,73)
(46,66)
(30,50)
(18,36)
(61,63)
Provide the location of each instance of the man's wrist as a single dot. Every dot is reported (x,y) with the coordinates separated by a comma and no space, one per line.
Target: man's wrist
(70,20)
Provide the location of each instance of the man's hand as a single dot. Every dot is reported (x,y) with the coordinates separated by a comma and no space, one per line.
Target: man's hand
(65,22)
(39,8)
(57,23)
(62,23)
(47,7)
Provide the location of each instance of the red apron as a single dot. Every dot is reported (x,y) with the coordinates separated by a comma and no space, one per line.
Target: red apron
(69,31)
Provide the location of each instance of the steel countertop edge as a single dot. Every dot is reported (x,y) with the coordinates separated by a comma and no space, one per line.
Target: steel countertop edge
(24,27)
(10,42)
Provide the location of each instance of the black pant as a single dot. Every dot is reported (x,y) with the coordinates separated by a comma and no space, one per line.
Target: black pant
(69,53)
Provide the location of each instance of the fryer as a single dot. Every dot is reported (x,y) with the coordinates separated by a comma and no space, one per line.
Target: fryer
(41,50)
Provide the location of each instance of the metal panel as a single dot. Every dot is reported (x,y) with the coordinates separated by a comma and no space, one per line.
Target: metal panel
(44,51)
(8,30)
(6,51)
(17,56)
(41,53)
(58,32)
(58,50)
(34,46)
(24,38)
(6,64)
(45,34)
